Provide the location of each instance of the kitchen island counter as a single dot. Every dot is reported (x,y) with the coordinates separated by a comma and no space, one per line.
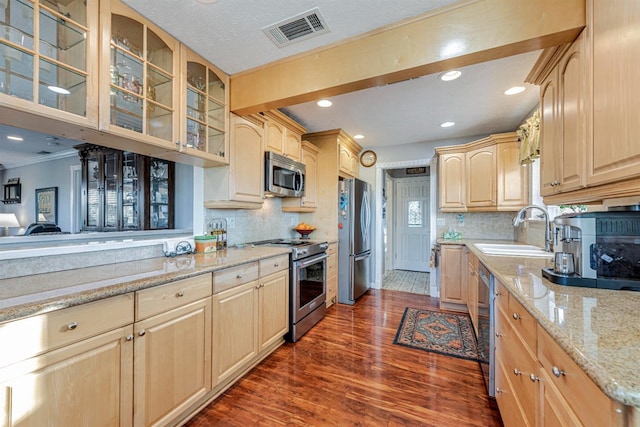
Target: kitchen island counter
(41,293)
(598,328)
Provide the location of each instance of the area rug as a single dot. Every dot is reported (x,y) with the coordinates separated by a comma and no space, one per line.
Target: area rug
(438,332)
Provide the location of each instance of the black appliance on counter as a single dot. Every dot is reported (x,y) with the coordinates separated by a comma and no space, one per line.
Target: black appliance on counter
(604,248)
(307,283)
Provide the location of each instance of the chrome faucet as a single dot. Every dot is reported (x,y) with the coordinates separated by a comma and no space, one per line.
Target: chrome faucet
(547,230)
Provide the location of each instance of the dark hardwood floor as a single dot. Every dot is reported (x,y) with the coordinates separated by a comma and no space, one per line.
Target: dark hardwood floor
(346,371)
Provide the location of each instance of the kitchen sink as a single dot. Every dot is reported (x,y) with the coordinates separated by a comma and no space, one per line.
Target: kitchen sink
(512,249)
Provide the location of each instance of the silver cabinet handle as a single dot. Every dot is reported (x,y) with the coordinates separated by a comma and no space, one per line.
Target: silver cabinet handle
(557,372)
(141,333)
(516,316)
(276,265)
(239,276)
(258,286)
(129,338)
(533,377)
(516,372)
(498,294)
(71,326)
(180,294)
(498,335)
(498,390)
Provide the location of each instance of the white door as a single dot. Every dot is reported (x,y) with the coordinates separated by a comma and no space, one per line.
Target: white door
(412,240)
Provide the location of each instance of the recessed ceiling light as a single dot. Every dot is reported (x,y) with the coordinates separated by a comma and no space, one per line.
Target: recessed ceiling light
(15,138)
(450,75)
(514,90)
(59,90)
(324,103)
(207,1)
(447,124)
(358,136)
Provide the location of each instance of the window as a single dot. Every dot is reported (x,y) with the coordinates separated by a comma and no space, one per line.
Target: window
(414,212)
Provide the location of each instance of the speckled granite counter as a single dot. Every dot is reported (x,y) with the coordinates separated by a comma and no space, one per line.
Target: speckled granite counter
(599,329)
(29,295)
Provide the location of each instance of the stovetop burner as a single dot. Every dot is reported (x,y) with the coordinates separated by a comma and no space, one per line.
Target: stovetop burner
(299,248)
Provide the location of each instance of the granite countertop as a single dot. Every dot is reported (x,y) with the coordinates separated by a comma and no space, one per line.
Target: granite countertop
(41,293)
(598,328)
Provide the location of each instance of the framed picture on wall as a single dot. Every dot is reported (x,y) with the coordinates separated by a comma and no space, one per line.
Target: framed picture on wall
(47,205)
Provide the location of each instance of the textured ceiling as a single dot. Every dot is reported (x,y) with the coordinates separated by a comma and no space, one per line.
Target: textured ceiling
(229,34)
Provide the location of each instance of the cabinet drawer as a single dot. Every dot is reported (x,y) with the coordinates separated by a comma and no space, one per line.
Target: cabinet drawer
(160,299)
(35,335)
(510,409)
(522,322)
(588,402)
(234,276)
(273,265)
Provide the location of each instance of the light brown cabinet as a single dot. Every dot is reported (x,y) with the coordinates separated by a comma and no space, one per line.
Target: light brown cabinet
(472,287)
(251,313)
(62,59)
(282,135)
(332,274)
(453,272)
(307,203)
(589,131)
(172,349)
(240,184)
(484,175)
(87,349)
(349,157)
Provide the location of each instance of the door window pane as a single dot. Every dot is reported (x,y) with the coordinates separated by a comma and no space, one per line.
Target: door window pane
(414,214)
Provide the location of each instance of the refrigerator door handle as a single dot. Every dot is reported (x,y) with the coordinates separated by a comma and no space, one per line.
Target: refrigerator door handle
(361,257)
(365,215)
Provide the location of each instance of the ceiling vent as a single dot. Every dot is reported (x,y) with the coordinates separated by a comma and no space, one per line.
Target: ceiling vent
(300,27)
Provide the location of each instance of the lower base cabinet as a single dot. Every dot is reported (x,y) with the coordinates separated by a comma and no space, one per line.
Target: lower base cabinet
(332,274)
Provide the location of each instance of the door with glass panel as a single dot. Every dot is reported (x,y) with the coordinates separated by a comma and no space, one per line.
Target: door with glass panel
(412,238)
(48,63)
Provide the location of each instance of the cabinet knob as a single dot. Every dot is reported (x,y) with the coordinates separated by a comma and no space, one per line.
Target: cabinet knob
(276,265)
(498,335)
(71,326)
(498,294)
(180,294)
(239,276)
(258,286)
(557,372)
(517,372)
(533,377)
(498,390)
(516,316)
(141,333)
(129,338)
(473,273)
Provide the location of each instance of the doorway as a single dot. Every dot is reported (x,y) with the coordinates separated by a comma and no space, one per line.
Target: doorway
(406,229)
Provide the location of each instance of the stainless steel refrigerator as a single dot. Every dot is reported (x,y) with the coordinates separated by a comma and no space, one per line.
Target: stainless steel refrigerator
(354,234)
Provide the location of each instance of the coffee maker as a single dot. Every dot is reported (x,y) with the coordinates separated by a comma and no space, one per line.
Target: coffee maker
(604,248)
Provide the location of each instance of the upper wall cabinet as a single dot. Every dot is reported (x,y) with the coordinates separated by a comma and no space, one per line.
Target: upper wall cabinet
(139,85)
(349,152)
(205,109)
(46,62)
(589,127)
(484,175)
(282,135)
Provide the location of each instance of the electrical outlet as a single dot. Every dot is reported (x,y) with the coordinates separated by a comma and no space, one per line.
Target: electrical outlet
(231,223)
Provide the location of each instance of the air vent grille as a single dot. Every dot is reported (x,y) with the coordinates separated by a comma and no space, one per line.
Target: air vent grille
(301,27)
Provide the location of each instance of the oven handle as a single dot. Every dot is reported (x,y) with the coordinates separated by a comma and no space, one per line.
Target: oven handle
(309,261)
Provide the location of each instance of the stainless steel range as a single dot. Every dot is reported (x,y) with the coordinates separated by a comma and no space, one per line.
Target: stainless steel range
(307,281)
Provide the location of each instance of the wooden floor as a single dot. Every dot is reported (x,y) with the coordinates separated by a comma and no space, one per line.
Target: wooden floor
(346,371)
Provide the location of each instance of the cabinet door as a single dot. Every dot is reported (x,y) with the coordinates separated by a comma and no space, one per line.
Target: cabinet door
(205,109)
(481,177)
(553,409)
(549,135)
(235,330)
(310,160)
(615,151)
(274,308)
(247,161)
(452,182)
(472,288)
(172,362)
(139,84)
(292,144)
(452,274)
(66,68)
(274,137)
(83,384)
(513,178)
(573,93)
(346,162)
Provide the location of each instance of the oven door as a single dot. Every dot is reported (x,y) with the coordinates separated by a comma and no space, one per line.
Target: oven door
(309,285)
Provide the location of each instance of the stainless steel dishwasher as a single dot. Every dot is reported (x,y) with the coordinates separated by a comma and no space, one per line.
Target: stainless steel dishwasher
(486,327)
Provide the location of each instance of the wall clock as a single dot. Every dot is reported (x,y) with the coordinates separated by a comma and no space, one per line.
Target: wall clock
(368,158)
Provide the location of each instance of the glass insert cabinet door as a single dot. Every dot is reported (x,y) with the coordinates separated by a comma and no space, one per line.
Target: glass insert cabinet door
(101,181)
(141,93)
(44,56)
(206,106)
(160,211)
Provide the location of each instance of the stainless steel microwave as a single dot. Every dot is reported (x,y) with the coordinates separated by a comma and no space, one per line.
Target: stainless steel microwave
(284,177)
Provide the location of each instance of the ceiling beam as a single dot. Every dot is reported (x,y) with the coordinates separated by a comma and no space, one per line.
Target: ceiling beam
(467,33)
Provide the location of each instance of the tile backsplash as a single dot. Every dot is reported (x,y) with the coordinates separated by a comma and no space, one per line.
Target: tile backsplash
(477,225)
